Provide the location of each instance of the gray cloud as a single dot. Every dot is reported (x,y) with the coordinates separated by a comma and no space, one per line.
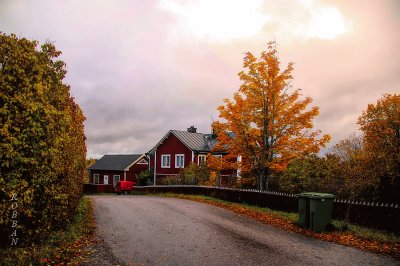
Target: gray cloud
(137,72)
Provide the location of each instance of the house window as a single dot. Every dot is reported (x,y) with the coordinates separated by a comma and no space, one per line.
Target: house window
(105,179)
(239,160)
(218,156)
(96,178)
(116,178)
(165,161)
(202,159)
(179,160)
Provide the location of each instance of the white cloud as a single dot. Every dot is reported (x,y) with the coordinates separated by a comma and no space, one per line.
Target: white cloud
(326,23)
(221,20)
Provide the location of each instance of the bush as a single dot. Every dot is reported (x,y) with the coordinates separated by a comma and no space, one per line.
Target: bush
(172,180)
(192,175)
(145,178)
(42,148)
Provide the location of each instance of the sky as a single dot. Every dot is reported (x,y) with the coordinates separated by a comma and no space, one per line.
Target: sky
(141,68)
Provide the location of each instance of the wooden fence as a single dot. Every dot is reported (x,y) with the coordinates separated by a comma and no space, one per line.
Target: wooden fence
(376,215)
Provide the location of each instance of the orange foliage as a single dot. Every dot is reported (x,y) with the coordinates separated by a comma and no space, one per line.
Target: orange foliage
(265,123)
(380,124)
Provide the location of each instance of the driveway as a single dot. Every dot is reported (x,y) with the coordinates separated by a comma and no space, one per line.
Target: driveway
(144,230)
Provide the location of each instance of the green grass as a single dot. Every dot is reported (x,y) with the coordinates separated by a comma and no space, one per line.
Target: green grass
(368,233)
(59,247)
(360,231)
(291,216)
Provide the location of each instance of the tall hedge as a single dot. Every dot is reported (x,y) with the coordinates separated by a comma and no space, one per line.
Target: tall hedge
(42,142)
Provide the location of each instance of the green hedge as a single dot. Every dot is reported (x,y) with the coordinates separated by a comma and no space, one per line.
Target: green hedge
(42,147)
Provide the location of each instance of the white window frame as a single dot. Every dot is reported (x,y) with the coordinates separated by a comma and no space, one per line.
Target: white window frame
(203,160)
(176,160)
(239,170)
(96,176)
(218,156)
(162,160)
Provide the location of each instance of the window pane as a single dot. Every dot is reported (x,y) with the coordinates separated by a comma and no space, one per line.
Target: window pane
(165,160)
(202,158)
(179,160)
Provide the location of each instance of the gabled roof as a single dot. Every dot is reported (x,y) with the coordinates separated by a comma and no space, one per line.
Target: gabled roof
(116,162)
(194,141)
(198,142)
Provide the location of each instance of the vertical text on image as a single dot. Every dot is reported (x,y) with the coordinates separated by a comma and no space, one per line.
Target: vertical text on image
(14,222)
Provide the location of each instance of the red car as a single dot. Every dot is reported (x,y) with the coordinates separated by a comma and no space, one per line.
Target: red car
(124,186)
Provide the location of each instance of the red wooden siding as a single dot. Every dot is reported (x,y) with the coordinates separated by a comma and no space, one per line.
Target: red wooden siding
(134,171)
(102,173)
(130,175)
(172,146)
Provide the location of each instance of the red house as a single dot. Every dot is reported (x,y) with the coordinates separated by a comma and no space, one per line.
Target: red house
(105,172)
(177,149)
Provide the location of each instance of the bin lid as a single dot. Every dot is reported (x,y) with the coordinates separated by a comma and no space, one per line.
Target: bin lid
(316,195)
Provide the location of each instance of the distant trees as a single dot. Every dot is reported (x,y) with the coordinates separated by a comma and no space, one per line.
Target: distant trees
(42,147)
(266,123)
(364,167)
(380,124)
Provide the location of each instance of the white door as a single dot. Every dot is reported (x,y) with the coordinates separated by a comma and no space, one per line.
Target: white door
(106,179)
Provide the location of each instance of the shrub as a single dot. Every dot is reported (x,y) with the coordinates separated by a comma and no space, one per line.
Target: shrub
(192,175)
(172,180)
(42,148)
(145,178)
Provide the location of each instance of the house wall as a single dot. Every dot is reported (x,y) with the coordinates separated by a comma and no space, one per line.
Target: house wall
(134,171)
(102,173)
(131,175)
(172,146)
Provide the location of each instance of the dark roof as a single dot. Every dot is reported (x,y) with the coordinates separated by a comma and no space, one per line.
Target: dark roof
(198,142)
(194,141)
(115,162)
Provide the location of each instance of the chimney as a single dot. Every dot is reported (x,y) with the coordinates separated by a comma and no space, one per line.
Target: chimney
(192,129)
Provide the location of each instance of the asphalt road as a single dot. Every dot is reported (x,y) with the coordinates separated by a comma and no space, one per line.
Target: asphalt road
(142,230)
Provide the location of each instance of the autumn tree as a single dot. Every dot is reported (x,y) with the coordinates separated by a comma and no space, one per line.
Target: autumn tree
(267,123)
(42,147)
(354,172)
(380,124)
(309,173)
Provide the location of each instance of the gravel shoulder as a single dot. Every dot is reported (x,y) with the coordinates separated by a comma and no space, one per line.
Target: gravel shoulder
(143,230)
(100,253)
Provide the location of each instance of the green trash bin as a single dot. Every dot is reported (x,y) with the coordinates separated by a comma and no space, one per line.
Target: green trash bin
(304,210)
(315,210)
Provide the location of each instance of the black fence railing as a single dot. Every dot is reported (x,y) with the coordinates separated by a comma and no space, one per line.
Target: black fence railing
(384,216)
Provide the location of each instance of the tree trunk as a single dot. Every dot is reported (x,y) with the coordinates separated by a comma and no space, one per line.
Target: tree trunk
(264,179)
(267,179)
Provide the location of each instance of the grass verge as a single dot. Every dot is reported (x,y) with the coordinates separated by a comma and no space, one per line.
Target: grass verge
(356,236)
(65,247)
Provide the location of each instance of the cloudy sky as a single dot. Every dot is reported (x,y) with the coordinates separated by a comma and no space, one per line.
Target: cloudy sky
(140,68)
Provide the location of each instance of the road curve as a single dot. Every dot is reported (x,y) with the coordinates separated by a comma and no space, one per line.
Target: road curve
(144,230)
